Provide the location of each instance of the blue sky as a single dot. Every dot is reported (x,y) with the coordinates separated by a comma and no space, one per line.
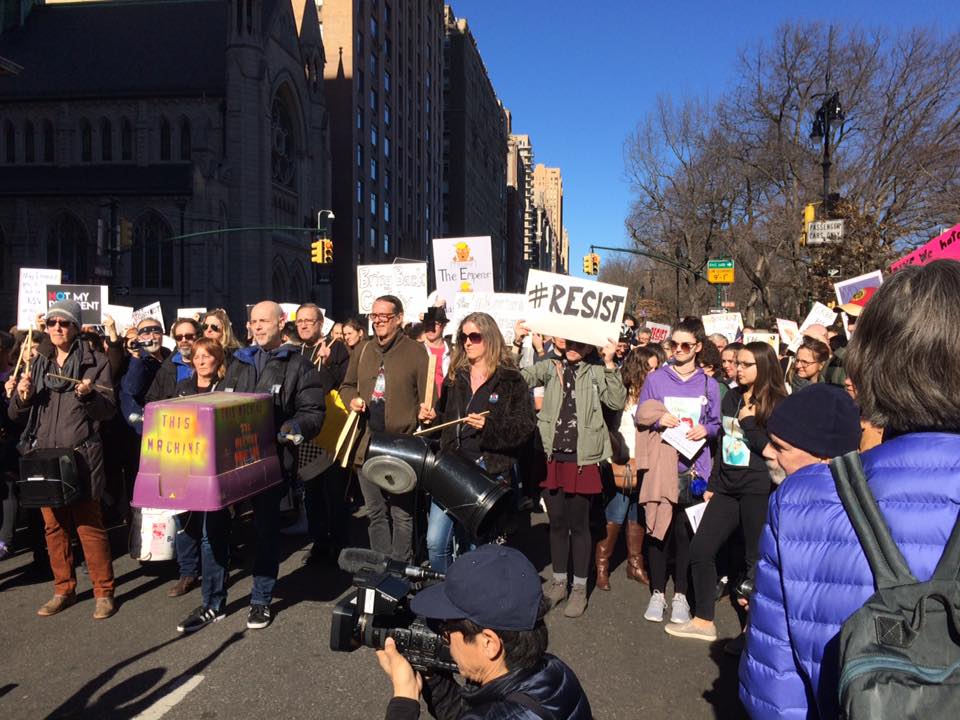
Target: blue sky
(578,75)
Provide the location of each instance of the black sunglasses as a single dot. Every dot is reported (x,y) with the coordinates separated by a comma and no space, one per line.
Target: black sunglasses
(186,336)
(150,330)
(474,337)
(211,326)
(58,322)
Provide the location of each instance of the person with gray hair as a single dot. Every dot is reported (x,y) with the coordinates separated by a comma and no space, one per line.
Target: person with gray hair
(813,574)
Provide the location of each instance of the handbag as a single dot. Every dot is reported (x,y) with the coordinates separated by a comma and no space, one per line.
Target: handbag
(624,477)
(50,477)
(689,491)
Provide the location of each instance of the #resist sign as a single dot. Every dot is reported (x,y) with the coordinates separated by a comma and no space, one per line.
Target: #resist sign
(407,281)
(573,308)
(462,265)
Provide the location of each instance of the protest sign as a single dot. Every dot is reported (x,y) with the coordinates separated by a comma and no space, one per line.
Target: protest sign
(153,310)
(505,308)
(771,339)
(789,330)
(846,289)
(407,281)
(943,247)
(87,296)
(196,313)
(726,324)
(819,314)
(290,309)
(573,308)
(658,332)
(122,315)
(32,296)
(462,265)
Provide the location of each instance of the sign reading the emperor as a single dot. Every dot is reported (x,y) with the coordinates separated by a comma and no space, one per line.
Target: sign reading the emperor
(407,281)
(574,308)
(462,265)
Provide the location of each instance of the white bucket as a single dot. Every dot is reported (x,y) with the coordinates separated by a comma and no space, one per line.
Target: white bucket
(157,531)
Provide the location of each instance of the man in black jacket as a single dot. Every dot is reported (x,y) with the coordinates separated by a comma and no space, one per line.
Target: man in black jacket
(491,605)
(299,392)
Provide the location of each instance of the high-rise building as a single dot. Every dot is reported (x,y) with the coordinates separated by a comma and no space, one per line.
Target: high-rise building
(383,81)
(517,182)
(564,262)
(548,192)
(474,138)
(521,145)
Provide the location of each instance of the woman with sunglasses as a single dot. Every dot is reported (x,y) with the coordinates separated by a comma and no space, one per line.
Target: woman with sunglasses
(217,326)
(481,379)
(739,489)
(678,394)
(575,438)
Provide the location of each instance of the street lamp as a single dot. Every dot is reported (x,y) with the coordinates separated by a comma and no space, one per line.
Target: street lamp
(829,111)
(331,218)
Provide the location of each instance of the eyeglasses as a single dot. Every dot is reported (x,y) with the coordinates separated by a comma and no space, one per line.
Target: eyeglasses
(475,338)
(58,322)
(741,364)
(150,330)
(186,336)
(804,363)
(682,346)
(382,317)
(211,326)
(306,321)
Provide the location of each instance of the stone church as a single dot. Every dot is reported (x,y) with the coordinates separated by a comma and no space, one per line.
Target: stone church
(125,125)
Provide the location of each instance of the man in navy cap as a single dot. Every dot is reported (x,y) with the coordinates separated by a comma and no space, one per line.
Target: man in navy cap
(490,609)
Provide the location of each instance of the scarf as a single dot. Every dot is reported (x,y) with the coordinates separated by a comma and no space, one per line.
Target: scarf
(42,382)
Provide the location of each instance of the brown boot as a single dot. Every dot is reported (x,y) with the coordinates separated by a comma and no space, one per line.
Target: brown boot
(636,567)
(183,586)
(56,604)
(603,553)
(104,608)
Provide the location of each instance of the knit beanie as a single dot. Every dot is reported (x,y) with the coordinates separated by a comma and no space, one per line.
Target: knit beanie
(821,419)
(66,309)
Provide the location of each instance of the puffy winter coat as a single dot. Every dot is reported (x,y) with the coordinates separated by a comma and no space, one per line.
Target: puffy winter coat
(813,575)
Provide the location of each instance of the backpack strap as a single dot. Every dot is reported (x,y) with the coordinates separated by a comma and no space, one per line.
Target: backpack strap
(530,704)
(949,566)
(886,561)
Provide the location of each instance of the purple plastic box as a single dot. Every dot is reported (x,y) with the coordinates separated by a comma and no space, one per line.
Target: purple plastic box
(205,452)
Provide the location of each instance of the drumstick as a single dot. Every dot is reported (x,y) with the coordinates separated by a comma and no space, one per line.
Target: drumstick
(24,352)
(345,432)
(104,388)
(428,390)
(424,431)
(353,439)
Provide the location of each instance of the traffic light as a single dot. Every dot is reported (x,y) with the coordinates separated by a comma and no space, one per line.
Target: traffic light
(316,252)
(591,264)
(809,216)
(328,252)
(126,234)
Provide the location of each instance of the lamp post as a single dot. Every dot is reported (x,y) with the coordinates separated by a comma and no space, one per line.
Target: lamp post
(829,111)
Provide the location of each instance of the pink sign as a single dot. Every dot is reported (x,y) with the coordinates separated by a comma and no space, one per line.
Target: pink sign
(942,247)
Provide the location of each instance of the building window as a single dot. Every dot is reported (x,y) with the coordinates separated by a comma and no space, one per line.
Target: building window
(373,101)
(359,118)
(106,140)
(283,145)
(386,180)
(359,155)
(151,257)
(373,238)
(373,64)
(186,142)
(386,114)
(359,191)
(67,248)
(373,203)
(126,141)
(164,139)
(386,146)
(373,26)
(386,211)
(386,243)
(9,142)
(373,169)
(47,141)
(86,142)
(29,143)
(386,81)
(373,135)
(359,230)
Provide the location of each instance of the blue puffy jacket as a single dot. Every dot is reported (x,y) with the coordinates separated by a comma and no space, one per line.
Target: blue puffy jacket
(813,575)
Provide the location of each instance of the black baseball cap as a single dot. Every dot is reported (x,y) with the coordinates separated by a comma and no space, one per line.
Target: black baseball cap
(494,586)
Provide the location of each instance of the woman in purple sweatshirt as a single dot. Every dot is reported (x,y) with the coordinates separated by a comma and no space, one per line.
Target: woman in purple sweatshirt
(692,399)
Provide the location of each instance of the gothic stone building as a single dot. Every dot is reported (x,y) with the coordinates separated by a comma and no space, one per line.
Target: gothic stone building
(132,123)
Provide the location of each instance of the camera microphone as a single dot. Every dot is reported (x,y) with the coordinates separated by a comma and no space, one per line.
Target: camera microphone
(355,560)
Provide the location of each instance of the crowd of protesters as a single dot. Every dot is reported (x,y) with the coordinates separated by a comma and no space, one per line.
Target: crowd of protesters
(707,453)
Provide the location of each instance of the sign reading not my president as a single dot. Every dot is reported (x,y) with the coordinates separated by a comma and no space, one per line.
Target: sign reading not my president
(574,308)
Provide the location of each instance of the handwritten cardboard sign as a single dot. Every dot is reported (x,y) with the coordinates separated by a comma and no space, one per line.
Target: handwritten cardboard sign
(87,296)
(407,281)
(658,332)
(573,308)
(153,310)
(505,308)
(943,247)
(122,315)
(771,339)
(32,296)
(462,265)
(819,314)
(726,324)
(789,330)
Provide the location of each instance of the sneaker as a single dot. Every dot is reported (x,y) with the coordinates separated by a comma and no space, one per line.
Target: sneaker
(577,602)
(5,551)
(679,609)
(200,618)
(689,630)
(656,607)
(258,617)
(555,592)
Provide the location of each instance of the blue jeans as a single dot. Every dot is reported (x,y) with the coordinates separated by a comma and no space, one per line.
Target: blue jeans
(186,545)
(441,530)
(266,557)
(211,532)
(620,507)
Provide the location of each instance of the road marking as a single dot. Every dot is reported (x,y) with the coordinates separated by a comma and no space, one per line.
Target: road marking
(165,704)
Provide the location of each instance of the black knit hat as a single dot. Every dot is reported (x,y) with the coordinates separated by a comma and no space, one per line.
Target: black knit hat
(821,419)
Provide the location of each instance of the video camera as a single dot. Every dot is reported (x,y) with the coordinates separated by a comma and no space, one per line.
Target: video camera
(380,609)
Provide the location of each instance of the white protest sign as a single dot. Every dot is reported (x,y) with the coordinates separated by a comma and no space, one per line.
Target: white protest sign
(153,310)
(504,308)
(406,281)
(196,313)
(32,297)
(290,309)
(573,308)
(788,330)
(462,265)
(819,314)
(771,339)
(658,332)
(122,315)
(726,324)
(328,324)
(847,290)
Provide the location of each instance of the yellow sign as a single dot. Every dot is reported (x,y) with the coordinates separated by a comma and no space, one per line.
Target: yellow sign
(720,276)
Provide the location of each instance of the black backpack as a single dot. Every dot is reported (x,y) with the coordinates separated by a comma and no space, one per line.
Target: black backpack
(900,651)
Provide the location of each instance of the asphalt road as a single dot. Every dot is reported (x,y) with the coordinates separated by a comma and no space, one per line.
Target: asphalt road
(136,664)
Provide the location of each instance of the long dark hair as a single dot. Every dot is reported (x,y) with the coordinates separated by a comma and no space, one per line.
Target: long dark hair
(768,388)
(636,367)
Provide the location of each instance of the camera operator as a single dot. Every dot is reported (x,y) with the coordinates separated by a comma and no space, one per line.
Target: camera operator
(490,609)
